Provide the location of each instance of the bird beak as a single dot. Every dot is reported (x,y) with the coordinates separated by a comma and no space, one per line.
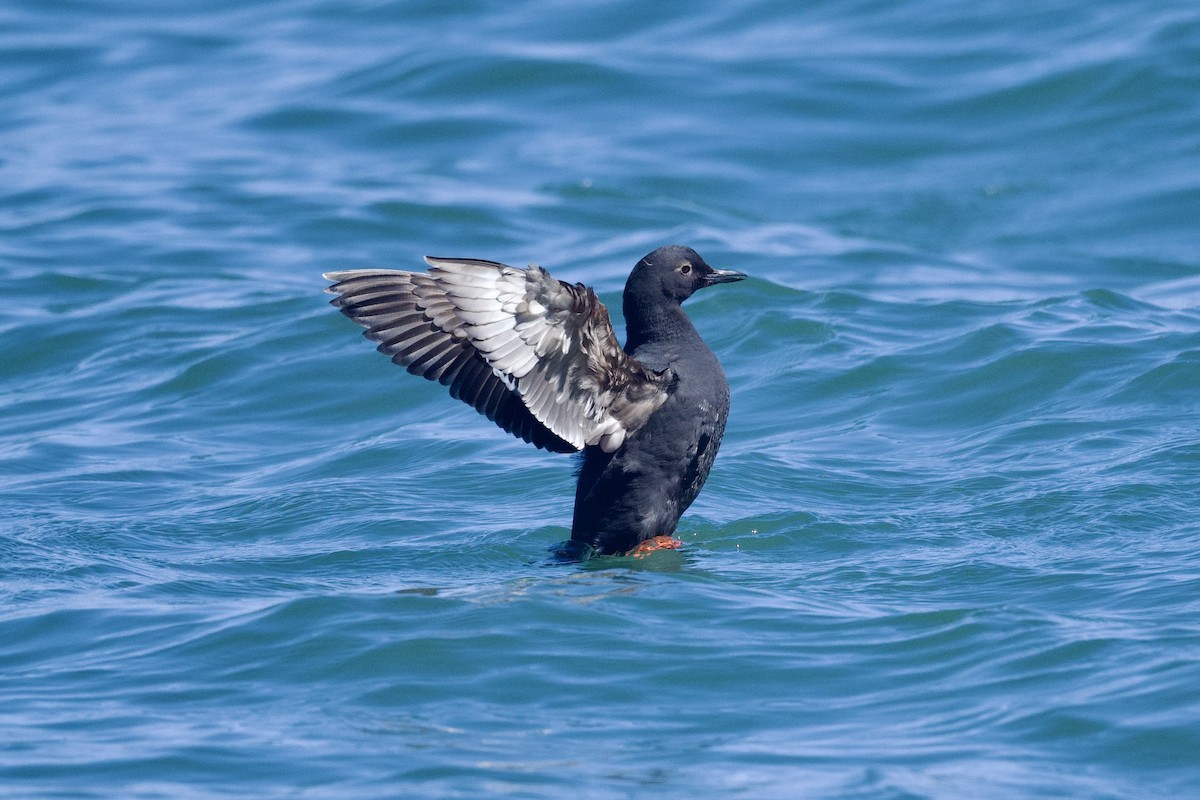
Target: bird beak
(723,276)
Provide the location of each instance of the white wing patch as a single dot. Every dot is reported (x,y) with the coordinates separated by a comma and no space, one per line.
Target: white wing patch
(557,344)
(548,343)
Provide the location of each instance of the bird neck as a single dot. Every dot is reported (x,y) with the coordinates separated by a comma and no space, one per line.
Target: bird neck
(647,322)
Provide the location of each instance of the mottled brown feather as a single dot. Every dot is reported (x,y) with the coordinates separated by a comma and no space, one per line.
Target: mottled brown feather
(535,355)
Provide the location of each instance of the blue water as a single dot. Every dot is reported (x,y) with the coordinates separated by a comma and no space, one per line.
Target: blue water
(951,546)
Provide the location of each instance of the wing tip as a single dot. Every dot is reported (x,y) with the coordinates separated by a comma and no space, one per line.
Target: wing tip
(340,275)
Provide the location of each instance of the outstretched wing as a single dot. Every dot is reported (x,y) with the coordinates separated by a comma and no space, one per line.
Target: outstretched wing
(533,354)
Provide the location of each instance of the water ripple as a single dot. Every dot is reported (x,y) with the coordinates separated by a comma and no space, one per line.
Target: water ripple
(948,547)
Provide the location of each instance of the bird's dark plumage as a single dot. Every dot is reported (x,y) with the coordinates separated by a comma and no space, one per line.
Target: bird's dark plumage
(539,358)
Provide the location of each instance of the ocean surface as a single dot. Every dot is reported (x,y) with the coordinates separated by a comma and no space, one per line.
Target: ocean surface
(950,548)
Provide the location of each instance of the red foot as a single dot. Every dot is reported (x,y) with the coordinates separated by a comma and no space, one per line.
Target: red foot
(649,546)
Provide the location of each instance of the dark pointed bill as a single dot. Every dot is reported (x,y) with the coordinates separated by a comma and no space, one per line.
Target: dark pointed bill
(723,276)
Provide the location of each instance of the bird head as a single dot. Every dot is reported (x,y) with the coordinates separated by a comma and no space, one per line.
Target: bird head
(676,273)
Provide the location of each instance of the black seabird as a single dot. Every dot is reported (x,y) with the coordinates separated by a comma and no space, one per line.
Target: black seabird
(540,359)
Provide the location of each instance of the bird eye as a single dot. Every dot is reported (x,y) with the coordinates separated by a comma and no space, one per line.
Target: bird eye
(686,269)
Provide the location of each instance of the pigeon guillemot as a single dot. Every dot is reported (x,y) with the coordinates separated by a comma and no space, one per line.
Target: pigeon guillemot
(539,358)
